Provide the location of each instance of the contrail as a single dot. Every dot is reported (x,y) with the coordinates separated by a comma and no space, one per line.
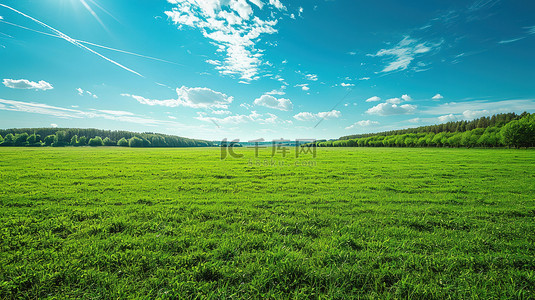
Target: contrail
(92,12)
(335,106)
(92,44)
(71,40)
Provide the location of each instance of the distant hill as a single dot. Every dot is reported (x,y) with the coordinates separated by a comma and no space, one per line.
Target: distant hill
(82,137)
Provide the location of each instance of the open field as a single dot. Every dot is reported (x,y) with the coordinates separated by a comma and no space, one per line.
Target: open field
(369,222)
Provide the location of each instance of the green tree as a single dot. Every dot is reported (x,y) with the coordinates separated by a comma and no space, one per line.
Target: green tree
(1,139)
(60,139)
(9,140)
(122,142)
(34,140)
(108,142)
(455,140)
(82,141)
(21,139)
(135,142)
(519,133)
(96,141)
(74,140)
(49,140)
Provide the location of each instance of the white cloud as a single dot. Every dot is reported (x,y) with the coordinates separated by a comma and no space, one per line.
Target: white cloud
(346,84)
(279,92)
(54,125)
(190,97)
(511,41)
(363,123)
(312,77)
(394,101)
(373,99)
(221,112)
(277,4)
(272,102)
(117,112)
(67,113)
(304,86)
(232,27)
(258,3)
(27,85)
(447,118)
(471,114)
(387,109)
(469,108)
(404,53)
(437,97)
(240,119)
(365,78)
(307,116)
(81,92)
(406,97)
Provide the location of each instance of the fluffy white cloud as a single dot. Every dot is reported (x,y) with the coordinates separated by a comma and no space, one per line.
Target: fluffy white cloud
(279,92)
(346,84)
(277,4)
(272,102)
(447,118)
(404,53)
(54,125)
(394,101)
(190,97)
(373,99)
(471,114)
(406,97)
(363,123)
(27,85)
(303,86)
(437,97)
(307,116)
(388,109)
(258,3)
(232,27)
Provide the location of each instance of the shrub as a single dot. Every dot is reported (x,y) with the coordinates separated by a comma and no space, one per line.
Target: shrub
(122,142)
(82,141)
(21,139)
(96,141)
(520,133)
(49,140)
(108,142)
(9,139)
(135,142)
(34,140)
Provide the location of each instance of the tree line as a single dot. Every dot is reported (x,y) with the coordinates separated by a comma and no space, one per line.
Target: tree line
(518,132)
(497,120)
(55,137)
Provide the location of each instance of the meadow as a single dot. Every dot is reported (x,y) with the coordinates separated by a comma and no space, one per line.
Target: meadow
(370,223)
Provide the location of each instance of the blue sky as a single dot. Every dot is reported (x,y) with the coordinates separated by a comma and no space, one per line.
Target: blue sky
(252,69)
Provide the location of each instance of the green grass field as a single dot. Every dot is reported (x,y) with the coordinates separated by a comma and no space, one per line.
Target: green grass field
(180,223)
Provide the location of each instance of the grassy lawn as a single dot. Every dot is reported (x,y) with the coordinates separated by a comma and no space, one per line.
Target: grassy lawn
(354,222)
